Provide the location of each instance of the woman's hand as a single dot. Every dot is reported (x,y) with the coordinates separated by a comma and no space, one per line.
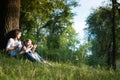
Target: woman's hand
(18,46)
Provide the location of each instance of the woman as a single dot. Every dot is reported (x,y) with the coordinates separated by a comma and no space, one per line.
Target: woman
(14,44)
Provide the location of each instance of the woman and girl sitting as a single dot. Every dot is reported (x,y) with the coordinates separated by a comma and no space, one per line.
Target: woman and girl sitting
(14,47)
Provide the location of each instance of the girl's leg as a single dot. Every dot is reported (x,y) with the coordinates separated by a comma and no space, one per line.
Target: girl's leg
(29,56)
(39,57)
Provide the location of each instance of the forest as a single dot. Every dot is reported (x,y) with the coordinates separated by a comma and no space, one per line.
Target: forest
(49,24)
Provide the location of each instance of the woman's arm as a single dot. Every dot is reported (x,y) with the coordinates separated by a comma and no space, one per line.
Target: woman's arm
(9,46)
(12,48)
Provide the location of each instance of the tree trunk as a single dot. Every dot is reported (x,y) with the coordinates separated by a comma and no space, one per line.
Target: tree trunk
(9,18)
(113,57)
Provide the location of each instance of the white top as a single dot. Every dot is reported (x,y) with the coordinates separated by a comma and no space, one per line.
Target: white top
(27,49)
(13,43)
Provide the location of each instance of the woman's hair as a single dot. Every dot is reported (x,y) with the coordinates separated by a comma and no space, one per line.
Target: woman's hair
(16,32)
(13,33)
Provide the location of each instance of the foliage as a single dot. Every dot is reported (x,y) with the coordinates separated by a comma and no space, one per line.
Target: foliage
(49,24)
(99,32)
(42,20)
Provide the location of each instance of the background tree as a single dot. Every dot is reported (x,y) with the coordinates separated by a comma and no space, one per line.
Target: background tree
(99,31)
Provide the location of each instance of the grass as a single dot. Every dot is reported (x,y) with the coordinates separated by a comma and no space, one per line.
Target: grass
(15,69)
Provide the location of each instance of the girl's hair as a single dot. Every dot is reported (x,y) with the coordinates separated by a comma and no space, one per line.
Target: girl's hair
(26,41)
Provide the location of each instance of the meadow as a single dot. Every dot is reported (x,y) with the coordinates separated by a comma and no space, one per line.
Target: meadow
(18,69)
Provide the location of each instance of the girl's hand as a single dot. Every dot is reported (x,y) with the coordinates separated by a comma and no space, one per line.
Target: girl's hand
(35,46)
(31,46)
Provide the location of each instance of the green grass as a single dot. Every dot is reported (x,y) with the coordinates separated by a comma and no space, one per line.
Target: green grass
(15,69)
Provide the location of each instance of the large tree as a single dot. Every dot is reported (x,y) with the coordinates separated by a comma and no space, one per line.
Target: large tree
(9,18)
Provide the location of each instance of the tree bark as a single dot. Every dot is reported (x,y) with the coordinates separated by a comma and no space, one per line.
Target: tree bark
(113,54)
(9,18)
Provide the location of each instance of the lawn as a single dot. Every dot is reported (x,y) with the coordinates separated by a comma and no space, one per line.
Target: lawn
(16,69)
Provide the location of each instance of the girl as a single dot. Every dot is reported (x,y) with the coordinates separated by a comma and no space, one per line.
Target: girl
(29,51)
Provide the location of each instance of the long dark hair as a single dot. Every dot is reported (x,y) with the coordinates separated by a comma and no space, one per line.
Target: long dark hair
(15,33)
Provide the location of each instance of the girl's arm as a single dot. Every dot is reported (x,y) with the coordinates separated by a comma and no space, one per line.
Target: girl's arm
(26,49)
(34,47)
